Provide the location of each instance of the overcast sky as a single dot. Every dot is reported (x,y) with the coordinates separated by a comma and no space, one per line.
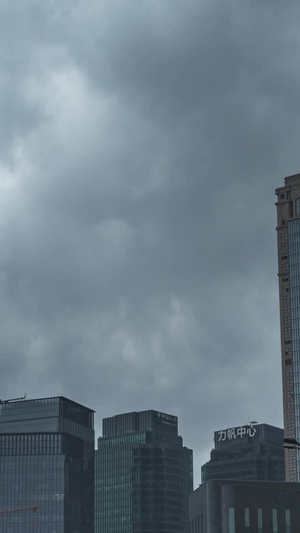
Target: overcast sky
(140,145)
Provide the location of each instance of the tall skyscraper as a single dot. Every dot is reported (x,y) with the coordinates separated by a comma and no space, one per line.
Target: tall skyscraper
(46,466)
(252,452)
(288,238)
(143,475)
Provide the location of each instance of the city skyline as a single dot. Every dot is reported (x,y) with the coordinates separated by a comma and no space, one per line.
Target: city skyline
(140,147)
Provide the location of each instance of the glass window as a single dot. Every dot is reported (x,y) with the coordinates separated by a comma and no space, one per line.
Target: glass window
(259,521)
(286,289)
(284,246)
(274,521)
(247,517)
(297,206)
(289,383)
(288,362)
(291,426)
(285,266)
(231,520)
(287,521)
(286,299)
(283,236)
(286,319)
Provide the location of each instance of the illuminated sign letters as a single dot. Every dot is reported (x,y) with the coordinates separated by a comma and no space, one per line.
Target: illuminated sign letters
(234,433)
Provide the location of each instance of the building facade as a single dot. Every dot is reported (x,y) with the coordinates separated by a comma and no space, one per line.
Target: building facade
(245,507)
(250,452)
(143,475)
(288,242)
(46,466)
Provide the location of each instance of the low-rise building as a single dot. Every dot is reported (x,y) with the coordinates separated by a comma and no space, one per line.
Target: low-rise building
(245,507)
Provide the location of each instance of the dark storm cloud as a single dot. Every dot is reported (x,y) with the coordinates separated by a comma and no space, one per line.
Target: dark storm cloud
(140,144)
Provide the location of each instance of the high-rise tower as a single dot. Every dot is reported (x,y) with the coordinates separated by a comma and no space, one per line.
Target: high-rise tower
(288,239)
(143,475)
(46,466)
(249,452)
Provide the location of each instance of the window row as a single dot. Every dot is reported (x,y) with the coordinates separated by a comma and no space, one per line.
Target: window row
(261,525)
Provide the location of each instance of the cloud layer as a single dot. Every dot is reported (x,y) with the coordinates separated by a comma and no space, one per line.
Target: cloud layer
(140,146)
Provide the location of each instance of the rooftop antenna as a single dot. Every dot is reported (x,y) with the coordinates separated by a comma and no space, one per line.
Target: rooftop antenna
(14,399)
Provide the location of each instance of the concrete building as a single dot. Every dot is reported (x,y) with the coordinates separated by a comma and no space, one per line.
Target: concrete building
(245,507)
(143,475)
(46,466)
(288,239)
(250,452)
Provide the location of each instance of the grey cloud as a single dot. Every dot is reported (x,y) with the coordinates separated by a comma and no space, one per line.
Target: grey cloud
(140,147)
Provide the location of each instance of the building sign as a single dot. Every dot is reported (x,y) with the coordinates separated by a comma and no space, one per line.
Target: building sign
(169,420)
(235,433)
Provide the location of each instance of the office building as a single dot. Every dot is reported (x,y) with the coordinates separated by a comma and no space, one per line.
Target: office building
(288,239)
(245,507)
(143,475)
(46,466)
(249,452)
